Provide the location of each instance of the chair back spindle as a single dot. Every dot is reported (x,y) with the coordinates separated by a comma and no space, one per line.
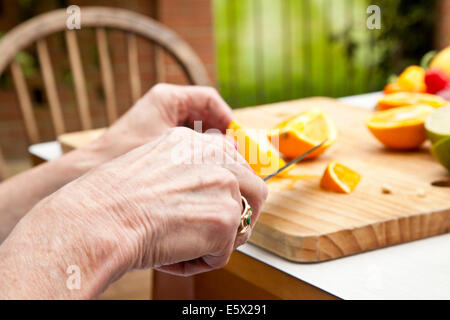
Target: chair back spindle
(134,25)
(50,87)
(78,79)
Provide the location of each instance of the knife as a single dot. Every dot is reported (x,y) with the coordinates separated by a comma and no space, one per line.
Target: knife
(294,161)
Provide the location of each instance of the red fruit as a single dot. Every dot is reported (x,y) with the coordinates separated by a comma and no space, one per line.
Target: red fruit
(444,94)
(436,80)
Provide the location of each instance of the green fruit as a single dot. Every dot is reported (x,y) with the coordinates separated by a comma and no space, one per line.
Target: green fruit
(441,151)
(438,124)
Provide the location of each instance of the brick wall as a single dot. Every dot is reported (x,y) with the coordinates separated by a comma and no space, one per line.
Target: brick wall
(191,19)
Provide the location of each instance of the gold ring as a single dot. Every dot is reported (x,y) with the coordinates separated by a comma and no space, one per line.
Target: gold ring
(246,217)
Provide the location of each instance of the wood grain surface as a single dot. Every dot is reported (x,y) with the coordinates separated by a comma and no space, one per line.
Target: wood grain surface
(302,222)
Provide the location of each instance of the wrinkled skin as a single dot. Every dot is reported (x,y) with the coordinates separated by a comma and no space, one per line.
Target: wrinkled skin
(148,207)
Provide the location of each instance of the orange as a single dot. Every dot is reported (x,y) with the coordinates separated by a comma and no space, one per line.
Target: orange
(400,128)
(339,178)
(400,99)
(442,61)
(300,133)
(412,79)
(392,88)
(256,149)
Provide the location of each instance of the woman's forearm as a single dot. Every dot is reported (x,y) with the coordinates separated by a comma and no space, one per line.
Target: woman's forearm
(57,252)
(20,193)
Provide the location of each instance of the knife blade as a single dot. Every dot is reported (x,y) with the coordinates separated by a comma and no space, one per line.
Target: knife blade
(294,161)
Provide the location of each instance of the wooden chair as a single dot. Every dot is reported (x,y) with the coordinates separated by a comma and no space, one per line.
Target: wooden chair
(35,31)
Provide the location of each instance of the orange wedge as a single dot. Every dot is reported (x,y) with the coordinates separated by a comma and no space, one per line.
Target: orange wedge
(300,133)
(339,178)
(400,128)
(256,149)
(401,99)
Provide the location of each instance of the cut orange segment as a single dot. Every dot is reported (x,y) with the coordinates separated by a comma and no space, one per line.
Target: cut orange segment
(256,149)
(300,133)
(393,88)
(401,99)
(400,128)
(339,178)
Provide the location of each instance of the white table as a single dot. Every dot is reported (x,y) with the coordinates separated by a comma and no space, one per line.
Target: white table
(414,270)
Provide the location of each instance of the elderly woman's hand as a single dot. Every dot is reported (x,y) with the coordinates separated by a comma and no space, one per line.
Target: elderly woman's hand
(164,106)
(172,204)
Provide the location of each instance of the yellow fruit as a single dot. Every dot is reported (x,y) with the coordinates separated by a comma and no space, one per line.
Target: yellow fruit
(339,178)
(412,79)
(256,149)
(442,61)
(300,133)
(401,99)
(400,128)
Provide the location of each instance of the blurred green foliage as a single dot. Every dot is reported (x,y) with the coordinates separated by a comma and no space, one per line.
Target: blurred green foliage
(273,50)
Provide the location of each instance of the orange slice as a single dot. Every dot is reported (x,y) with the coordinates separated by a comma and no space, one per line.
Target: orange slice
(256,149)
(400,128)
(339,178)
(300,133)
(401,99)
(392,88)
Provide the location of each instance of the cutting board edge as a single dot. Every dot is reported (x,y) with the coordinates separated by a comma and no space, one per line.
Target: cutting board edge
(325,247)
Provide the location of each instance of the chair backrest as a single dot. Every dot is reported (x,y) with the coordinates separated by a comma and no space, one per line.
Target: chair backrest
(34,31)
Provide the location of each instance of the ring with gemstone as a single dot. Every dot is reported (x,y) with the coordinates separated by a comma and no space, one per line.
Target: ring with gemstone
(246,217)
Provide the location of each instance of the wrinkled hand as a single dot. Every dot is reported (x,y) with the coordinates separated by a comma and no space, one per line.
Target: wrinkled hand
(163,107)
(171,209)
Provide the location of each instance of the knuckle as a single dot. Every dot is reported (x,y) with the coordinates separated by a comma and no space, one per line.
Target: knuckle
(228,219)
(227,179)
(159,87)
(211,90)
(180,132)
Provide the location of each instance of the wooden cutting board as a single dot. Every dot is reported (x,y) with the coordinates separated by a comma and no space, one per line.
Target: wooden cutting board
(304,223)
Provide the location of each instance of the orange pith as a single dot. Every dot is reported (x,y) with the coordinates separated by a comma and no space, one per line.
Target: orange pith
(300,133)
(339,178)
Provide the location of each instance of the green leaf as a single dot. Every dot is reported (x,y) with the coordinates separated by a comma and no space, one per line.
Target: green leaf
(426,59)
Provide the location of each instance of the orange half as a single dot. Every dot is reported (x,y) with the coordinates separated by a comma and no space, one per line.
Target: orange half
(256,149)
(300,133)
(400,128)
(339,178)
(401,99)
